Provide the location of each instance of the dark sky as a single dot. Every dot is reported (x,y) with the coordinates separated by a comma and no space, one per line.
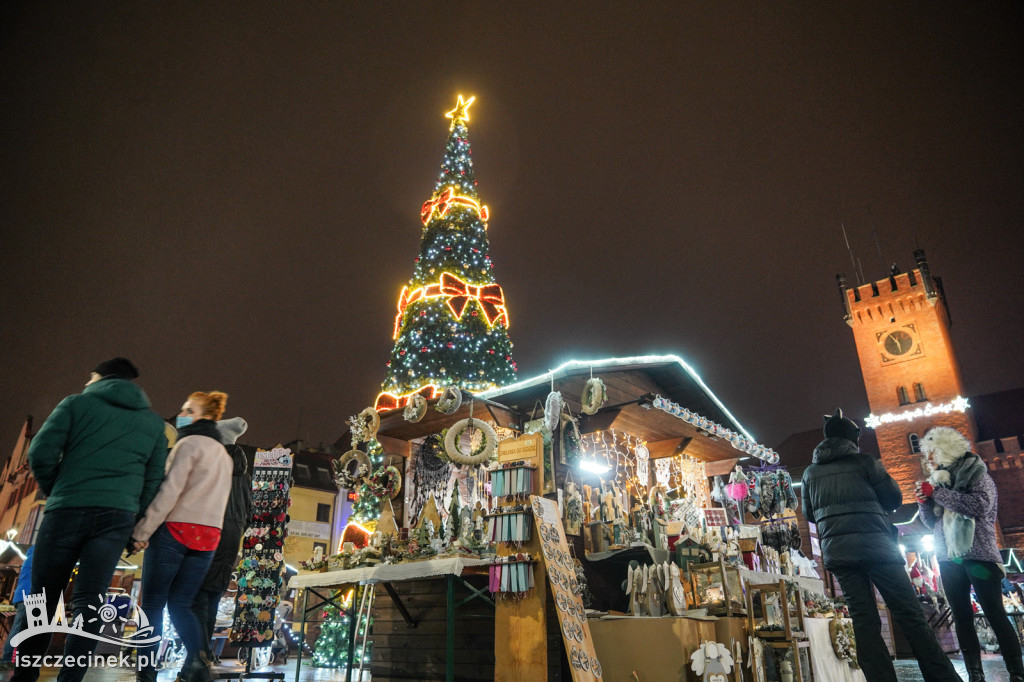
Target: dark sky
(229,193)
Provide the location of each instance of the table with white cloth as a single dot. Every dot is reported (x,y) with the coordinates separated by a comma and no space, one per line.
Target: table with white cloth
(451,569)
(824,662)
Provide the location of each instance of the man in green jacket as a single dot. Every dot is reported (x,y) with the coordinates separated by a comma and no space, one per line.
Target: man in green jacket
(100,460)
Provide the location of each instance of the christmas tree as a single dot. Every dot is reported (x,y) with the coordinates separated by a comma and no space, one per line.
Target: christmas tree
(332,644)
(452,323)
(366,506)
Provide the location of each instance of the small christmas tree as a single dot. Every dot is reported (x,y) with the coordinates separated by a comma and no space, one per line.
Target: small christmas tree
(452,323)
(366,507)
(332,644)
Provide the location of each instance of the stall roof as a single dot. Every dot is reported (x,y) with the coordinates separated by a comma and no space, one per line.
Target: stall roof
(631,383)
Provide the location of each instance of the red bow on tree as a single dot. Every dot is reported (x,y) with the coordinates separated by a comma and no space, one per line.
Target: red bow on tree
(490,297)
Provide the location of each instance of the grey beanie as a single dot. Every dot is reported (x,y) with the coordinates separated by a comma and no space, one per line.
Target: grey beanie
(232,428)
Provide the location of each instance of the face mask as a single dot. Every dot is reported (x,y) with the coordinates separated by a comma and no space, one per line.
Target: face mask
(182,421)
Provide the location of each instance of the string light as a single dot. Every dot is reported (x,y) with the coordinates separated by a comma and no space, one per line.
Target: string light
(957,404)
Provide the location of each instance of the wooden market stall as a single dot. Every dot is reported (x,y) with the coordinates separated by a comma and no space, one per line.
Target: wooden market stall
(658,424)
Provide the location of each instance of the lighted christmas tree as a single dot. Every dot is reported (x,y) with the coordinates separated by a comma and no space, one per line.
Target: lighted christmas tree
(366,506)
(332,644)
(452,323)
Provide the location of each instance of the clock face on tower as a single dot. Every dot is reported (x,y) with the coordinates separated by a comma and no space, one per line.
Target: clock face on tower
(898,344)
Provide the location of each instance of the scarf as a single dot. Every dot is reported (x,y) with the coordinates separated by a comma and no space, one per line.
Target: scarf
(957,529)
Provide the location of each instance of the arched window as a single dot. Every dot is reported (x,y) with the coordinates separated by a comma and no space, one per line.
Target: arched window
(901,393)
(919,394)
(915,443)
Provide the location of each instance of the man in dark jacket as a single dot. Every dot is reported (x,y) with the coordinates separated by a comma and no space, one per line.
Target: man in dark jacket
(100,460)
(851,497)
(236,517)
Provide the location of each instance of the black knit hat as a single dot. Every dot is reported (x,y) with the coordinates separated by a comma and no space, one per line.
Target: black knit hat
(838,426)
(118,368)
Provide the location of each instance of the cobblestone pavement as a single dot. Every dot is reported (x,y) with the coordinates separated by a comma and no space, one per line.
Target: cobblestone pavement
(995,671)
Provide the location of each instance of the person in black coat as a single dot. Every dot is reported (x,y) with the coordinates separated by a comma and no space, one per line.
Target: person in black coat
(851,497)
(236,519)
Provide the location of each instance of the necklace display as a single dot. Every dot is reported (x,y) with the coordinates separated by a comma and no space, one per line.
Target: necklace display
(260,570)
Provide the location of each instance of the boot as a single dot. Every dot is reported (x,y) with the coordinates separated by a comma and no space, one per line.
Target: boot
(1015,666)
(975,673)
(199,669)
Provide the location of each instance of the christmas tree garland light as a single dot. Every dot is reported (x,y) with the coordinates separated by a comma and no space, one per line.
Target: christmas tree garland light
(457,293)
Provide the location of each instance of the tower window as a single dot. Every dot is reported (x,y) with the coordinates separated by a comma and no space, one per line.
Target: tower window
(901,393)
(915,443)
(919,394)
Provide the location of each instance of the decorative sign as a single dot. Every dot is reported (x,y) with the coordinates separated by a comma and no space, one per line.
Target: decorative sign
(309,529)
(278,457)
(566,590)
(525,447)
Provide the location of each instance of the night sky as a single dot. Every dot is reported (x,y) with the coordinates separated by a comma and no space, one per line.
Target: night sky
(229,193)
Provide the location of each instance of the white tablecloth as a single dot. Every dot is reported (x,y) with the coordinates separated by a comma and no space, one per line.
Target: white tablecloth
(824,662)
(408,570)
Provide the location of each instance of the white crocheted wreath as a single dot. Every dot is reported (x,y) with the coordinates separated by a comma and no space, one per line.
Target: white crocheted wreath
(478,455)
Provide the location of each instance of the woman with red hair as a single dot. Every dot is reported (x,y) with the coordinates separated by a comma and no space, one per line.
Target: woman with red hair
(181,529)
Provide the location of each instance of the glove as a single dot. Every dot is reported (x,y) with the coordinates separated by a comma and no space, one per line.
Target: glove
(925,491)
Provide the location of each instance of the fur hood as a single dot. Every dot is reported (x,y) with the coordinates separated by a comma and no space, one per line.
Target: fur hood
(946,445)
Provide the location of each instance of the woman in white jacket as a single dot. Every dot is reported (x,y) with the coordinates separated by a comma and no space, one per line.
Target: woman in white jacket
(181,529)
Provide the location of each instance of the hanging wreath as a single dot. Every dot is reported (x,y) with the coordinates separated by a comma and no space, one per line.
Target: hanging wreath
(481,453)
(594,396)
(385,483)
(351,470)
(450,401)
(416,408)
(552,410)
(364,425)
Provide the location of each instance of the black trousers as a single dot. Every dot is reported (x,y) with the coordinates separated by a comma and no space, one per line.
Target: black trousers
(986,579)
(859,582)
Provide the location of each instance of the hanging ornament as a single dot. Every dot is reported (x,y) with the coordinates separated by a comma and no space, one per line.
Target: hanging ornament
(594,396)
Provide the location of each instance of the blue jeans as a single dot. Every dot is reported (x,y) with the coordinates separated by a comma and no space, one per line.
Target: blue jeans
(92,537)
(17,626)
(171,575)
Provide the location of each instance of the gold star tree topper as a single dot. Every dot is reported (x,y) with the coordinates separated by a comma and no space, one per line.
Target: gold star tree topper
(459,112)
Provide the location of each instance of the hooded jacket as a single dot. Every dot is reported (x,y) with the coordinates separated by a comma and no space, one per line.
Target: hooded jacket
(851,497)
(962,485)
(102,447)
(236,519)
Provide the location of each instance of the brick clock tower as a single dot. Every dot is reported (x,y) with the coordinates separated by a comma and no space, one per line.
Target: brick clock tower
(901,327)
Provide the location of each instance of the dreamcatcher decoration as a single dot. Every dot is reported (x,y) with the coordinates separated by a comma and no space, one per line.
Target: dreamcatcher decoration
(663,471)
(431,474)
